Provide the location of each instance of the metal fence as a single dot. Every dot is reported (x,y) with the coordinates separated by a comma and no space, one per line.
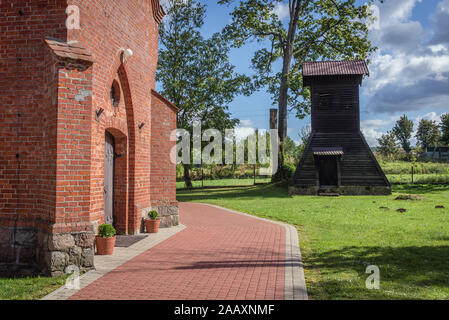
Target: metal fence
(248,175)
(222,176)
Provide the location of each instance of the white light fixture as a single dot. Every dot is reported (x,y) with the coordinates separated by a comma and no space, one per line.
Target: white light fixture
(126,53)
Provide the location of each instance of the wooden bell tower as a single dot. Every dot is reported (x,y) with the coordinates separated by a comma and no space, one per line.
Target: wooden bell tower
(337,160)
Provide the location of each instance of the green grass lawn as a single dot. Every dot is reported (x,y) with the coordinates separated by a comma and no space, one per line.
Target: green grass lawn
(28,288)
(418,178)
(340,237)
(223,182)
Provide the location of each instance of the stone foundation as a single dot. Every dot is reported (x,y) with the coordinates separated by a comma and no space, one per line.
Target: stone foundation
(169,216)
(342,190)
(56,252)
(303,190)
(18,251)
(27,252)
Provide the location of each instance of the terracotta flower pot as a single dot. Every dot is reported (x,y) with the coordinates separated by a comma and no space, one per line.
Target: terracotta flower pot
(105,246)
(152,225)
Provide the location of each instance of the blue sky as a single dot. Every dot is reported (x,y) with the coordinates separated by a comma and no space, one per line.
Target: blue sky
(409,72)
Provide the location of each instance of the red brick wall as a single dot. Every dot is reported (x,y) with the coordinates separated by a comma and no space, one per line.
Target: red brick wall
(73,142)
(48,122)
(26,117)
(163,170)
(106,27)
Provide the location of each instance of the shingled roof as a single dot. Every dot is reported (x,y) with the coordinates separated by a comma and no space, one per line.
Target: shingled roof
(331,68)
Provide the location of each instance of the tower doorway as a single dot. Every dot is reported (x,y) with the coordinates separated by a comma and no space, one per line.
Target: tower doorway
(328,171)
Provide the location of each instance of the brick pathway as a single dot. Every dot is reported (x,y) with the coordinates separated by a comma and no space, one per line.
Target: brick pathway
(219,255)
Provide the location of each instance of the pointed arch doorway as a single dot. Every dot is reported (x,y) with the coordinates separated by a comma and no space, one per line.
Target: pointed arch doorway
(119,156)
(116,180)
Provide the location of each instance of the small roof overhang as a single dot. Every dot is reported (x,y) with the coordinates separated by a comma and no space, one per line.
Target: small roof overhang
(328,151)
(69,50)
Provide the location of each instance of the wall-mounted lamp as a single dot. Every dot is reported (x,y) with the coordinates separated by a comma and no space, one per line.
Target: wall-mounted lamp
(141,125)
(98,113)
(126,53)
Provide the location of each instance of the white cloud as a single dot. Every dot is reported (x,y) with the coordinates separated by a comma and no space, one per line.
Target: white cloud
(281,10)
(244,129)
(246,123)
(374,128)
(438,48)
(409,72)
(433,116)
(374,123)
(242,133)
(391,11)
(443,6)
(371,136)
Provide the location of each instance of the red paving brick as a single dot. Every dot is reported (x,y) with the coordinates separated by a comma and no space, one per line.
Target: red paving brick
(220,255)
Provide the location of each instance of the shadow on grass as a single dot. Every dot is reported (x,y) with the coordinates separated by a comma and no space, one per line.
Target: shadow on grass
(420,188)
(265,191)
(409,268)
(280,191)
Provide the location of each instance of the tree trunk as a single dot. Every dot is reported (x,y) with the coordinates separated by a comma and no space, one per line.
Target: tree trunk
(187,179)
(283,90)
(283,101)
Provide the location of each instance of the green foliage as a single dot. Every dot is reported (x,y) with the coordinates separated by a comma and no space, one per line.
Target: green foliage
(106,231)
(404,167)
(304,136)
(292,151)
(195,73)
(152,215)
(428,134)
(387,144)
(314,30)
(289,170)
(425,171)
(444,126)
(403,131)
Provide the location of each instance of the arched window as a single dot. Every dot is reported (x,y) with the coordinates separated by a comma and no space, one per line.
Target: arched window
(115,94)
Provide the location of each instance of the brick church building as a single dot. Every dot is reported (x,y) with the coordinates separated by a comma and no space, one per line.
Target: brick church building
(84,137)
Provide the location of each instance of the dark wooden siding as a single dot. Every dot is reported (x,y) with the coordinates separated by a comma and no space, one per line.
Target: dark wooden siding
(358,165)
(336,123)
(335,108)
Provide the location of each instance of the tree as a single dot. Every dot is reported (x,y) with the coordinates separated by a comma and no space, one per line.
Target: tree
(428,133)
(291,151)
(444,126)
(315,29)
(304,136)
(195,73)
(387,144)
(403,131)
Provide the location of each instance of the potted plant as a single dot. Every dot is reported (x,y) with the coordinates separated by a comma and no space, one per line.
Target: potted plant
(105,241)
(152,223)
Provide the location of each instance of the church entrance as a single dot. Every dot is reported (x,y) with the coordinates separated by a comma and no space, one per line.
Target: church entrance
(109,164)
